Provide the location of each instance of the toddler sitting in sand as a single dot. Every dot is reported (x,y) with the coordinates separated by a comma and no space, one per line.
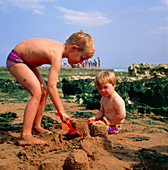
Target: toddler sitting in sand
(112,110)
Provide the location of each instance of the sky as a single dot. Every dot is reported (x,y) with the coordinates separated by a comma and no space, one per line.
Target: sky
(124,31)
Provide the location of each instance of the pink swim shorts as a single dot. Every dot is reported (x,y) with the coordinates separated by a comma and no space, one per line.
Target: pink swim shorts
(13,58)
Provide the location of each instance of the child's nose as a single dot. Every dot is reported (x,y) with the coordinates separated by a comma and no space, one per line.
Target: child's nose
(103,89)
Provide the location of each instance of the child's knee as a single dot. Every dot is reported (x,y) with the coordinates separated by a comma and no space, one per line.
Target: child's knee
(44,94)
(40,94)
(37,93)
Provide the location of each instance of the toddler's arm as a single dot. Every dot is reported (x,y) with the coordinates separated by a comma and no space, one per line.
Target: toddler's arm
(107,122)
(99,114)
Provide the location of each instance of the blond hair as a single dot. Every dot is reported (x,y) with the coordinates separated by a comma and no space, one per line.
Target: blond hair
(105,77)
(84,42)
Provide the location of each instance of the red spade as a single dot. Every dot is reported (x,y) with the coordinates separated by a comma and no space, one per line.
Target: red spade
(71,130)
(90,122)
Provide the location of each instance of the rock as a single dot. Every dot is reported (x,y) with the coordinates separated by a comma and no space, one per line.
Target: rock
(83,127)
(145,70)
(98,129)
(77,159)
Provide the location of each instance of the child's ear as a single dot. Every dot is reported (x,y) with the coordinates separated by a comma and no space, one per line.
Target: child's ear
(74,48)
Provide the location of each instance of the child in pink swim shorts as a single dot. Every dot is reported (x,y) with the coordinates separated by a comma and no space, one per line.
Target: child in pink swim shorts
(112,111)
(22,63)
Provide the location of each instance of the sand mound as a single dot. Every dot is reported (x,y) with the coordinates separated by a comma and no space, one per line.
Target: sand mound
(98,129)
(77,159)
(93,150)
(70,153)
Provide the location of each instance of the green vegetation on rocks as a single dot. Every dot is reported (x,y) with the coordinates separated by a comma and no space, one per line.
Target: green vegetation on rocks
(144,96)
(7,118)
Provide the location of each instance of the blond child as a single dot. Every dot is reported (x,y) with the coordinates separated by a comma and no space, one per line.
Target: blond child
(112,110)
(22,63)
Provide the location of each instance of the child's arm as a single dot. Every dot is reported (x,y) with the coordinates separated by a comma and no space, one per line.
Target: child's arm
(53,91)
(99,114)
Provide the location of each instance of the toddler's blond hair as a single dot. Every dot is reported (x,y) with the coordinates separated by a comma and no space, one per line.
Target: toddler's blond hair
(84,42)
(105,77)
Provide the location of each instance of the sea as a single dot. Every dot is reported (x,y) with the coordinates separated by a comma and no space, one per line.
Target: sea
(120,69)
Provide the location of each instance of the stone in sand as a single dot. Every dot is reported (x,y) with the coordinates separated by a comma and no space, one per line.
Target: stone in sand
(83,127)
(98,129)
(77,159)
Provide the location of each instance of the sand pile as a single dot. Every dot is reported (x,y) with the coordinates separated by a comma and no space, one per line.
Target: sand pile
(63,152)
(93,150)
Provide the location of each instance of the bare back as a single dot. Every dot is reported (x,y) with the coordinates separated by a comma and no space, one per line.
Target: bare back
(38,51)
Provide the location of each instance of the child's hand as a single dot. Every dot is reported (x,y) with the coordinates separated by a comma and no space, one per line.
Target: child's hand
(65,118)
(106,121)
(93,119)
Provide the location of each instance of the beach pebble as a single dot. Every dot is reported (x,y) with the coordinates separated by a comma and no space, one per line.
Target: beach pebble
(98,129)
(83,127)
(77,159)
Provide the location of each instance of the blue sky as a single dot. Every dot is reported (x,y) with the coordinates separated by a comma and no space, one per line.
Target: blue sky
(124,31)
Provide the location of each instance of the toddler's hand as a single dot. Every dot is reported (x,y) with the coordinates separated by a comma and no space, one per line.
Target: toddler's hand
(106,121)
(93,119)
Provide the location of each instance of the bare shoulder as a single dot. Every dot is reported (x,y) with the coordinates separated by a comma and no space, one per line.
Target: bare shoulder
(118,99)
(102,99)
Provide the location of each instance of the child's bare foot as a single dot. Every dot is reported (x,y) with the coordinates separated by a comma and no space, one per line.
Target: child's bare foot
(30,140)
(40,130)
